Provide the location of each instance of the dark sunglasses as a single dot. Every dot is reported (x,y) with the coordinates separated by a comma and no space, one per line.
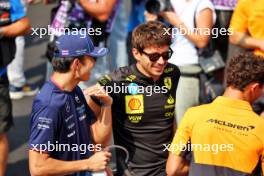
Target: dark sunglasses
(153,57)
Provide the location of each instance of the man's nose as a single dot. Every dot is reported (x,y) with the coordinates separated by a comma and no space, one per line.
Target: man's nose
(161,61)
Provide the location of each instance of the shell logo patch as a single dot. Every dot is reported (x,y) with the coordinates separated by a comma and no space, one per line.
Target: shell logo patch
(134,104)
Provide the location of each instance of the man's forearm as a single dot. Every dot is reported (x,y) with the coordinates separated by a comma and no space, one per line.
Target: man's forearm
(57,167)
(50,166)
(102,129)
(245,41)
(18,28)
(176,166)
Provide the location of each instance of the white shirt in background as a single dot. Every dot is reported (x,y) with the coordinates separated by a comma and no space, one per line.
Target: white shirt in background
(184,51)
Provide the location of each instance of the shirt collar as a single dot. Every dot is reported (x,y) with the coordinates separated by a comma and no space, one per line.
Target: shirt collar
(140,76)
(233,103)
(58,87)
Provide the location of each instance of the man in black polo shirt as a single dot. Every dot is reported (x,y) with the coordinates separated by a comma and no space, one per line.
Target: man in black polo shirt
(143,101)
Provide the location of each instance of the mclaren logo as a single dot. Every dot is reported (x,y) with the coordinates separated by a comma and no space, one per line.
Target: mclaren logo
(231,125)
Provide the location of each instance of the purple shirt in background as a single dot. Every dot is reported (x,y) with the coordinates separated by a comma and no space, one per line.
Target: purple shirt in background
(226,4)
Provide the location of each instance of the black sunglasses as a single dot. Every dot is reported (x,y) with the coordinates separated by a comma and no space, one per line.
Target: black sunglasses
(153,57)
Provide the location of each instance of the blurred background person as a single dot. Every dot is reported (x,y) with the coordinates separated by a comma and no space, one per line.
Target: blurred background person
(13,22)
(117,39)
(18,86)
(248,32)
(224,10)
(190,20)
(135,18)
(247,26)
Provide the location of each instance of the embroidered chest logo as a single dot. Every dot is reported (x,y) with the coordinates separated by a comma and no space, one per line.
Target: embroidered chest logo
(170,103)
(134,104)
(167,82)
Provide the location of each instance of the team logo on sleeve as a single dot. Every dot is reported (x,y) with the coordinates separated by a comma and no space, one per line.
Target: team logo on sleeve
(44,123)
(131,78)
(167,82)
(104,80)
(134,104)
(168,70)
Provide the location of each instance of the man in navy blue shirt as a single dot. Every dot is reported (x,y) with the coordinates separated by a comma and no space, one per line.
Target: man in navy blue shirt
(66,137)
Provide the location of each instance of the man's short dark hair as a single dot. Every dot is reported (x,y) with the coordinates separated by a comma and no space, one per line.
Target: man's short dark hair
(244,69)
(150,34)
(62,65)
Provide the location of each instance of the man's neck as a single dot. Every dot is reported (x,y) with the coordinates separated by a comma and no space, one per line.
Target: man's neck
(144,72)
(64,81)
(233,93)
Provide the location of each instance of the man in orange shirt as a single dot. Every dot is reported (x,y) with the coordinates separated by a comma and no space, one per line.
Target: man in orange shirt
(247,25)
(224,137)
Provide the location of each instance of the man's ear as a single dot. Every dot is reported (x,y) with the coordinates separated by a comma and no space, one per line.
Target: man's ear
(75,64)
(255,86)
(137,55)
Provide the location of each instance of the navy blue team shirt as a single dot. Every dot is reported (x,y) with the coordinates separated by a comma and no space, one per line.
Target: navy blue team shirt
(59,117)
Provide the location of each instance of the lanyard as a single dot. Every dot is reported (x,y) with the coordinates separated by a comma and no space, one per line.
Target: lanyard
(2,71)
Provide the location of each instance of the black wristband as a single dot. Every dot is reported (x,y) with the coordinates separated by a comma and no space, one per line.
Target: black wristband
(96,100)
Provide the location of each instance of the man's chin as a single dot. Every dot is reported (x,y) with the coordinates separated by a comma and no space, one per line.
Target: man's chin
(86,78)
(158,70)
(157,73)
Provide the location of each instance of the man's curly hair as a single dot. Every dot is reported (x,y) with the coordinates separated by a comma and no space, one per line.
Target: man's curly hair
(244,69)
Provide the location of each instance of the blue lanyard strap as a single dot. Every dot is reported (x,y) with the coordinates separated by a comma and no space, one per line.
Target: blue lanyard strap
(2,71)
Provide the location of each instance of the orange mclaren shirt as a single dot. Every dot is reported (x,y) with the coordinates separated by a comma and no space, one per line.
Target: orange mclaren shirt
(224,138)
(248,17)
